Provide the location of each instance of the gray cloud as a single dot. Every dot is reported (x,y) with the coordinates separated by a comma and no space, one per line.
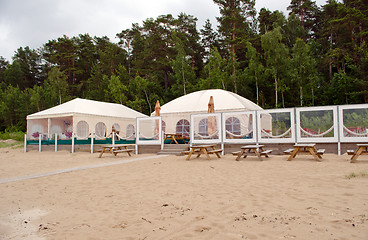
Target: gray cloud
(34,22)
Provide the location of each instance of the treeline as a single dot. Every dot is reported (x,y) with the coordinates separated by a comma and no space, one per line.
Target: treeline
(313,56)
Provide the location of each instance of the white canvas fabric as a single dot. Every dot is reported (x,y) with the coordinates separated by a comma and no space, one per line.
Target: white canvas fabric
(179,110)
(197,102)
(82,117)
(87,107)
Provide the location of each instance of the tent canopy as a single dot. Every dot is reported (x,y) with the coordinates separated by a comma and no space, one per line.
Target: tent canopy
(198,102)
(87,107)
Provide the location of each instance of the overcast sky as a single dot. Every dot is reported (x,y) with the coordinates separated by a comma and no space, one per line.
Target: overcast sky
(34,22)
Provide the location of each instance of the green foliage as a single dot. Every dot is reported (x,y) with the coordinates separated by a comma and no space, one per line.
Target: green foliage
(319,121)
(116,89)
(56,86)
(18,136)
(314,56)
(356,117)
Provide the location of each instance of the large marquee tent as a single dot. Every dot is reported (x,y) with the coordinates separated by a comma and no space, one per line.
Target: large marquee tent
(81,118)
(176,114)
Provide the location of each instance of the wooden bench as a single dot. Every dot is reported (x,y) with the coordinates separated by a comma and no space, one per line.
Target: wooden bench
(289,151)
(350,152)
(123,150)
(321,151)
(236,153)
(266,152)
(214,151)
(187,152)
(115,152)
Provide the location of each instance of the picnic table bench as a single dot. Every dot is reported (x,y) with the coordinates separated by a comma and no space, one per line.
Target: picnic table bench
(300,148)
(362,149)
(174,137)
(115,149)
(252,149)
(203,149)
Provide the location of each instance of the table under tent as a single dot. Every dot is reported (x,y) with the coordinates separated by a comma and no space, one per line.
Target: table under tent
(83,121)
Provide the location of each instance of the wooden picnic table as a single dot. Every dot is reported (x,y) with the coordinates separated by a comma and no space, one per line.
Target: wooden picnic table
(301,148)
(257,150)
(174,137)
(115,149)
(205,149)
(362,149)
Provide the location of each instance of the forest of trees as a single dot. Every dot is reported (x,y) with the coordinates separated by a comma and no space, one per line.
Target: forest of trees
(314,56)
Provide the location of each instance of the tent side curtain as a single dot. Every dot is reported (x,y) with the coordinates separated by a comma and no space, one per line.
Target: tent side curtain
(82,127)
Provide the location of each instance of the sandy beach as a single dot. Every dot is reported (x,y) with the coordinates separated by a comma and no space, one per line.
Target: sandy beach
(62,195)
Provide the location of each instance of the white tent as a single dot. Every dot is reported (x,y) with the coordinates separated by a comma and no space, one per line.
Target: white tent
(83,117)
(176,113)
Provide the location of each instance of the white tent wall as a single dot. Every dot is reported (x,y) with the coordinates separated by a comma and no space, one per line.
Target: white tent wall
(83,118)
(171,120)
(109,122)
(36,127)
(63,127)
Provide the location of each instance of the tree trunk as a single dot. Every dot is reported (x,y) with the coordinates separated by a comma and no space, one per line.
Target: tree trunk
(330,63)
(233,50)
(182,73)
(166,80)
(276,90)
(301,96)
(257,93)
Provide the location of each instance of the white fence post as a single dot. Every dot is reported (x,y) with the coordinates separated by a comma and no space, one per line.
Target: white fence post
(56,148)
(72,142)
(92,138)
(113,138)
(162,140)
(39,142)
(25,143)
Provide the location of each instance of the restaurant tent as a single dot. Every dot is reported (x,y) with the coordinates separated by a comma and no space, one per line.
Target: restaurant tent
(176,113)
(83,117)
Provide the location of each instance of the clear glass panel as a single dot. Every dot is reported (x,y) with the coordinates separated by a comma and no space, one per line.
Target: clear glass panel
(239,125)
(276,125)
(206,126)
(148,129)
(319,123)
(355,122)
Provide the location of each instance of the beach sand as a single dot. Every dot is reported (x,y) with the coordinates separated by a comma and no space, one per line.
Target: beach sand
(166,197)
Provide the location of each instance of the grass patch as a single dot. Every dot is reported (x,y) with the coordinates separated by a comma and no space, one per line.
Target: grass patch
(354,175)
(18,136)
(11,139)
(11,144)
